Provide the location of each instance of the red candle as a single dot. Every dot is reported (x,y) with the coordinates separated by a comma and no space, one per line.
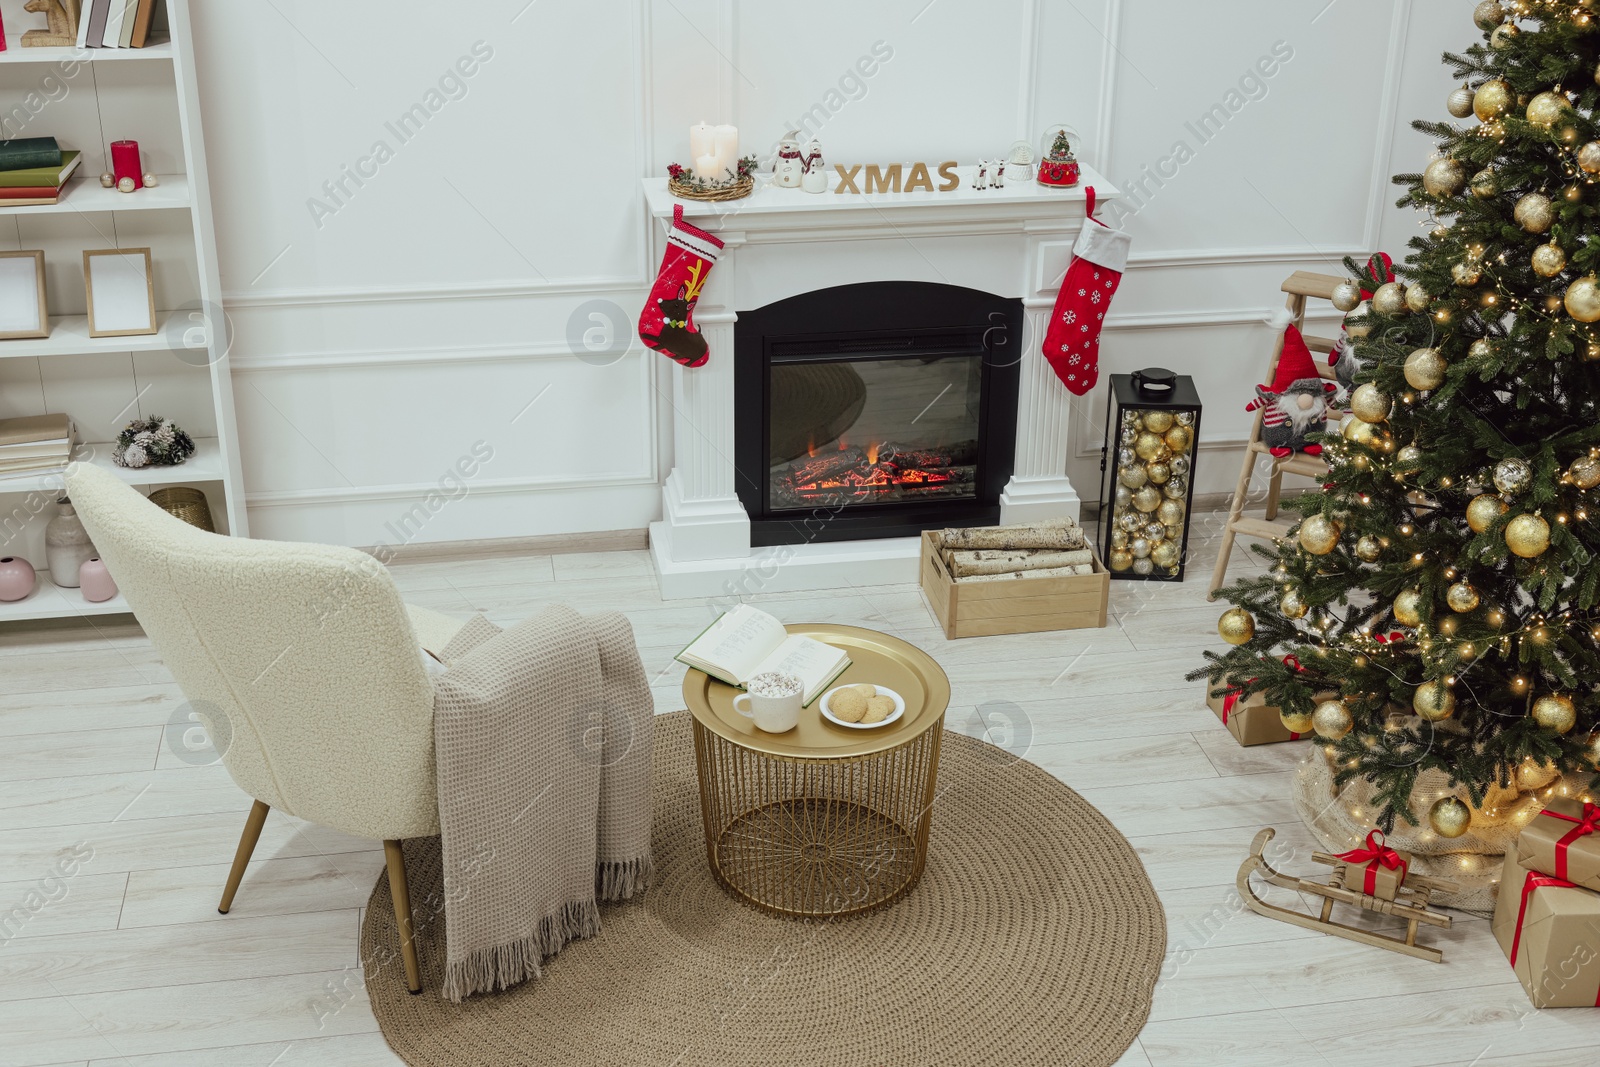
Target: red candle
(125,162)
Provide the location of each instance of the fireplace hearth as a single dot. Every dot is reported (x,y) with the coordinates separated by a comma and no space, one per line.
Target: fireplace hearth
(872,410)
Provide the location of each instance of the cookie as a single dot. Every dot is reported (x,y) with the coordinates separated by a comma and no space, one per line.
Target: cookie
(878,709)
(868,691)
(847,705)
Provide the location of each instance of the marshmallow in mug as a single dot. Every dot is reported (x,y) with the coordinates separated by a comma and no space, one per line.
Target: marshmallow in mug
(773,684)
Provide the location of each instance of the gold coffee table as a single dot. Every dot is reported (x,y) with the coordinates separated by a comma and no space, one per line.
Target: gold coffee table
(822,821)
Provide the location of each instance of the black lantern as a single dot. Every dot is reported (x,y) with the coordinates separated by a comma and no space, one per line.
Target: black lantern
(1152,429)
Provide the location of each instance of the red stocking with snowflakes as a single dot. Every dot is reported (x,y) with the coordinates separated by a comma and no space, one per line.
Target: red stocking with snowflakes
(1072,343)
(667,322)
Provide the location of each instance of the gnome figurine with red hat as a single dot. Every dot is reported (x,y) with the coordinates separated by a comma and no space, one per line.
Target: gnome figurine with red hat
(1295,405)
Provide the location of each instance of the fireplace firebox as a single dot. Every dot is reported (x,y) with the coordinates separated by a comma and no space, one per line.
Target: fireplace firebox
(879,409)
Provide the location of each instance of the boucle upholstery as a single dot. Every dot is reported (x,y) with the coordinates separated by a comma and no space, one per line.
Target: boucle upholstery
(300,657)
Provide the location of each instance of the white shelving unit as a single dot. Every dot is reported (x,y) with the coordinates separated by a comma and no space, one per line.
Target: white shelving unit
(149,95)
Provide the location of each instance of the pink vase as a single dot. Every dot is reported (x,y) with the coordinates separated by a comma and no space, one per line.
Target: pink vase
(94,581)
(16,579)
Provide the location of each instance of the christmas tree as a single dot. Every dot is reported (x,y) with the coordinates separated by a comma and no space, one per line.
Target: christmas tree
(1445,584)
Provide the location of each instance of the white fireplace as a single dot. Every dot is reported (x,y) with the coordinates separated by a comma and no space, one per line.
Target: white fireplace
(1013,242)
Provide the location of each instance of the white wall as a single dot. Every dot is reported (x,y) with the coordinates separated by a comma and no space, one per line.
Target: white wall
(378,337)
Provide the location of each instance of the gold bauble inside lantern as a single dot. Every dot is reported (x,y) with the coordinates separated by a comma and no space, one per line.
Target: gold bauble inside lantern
(1548,260)
(1433,701)
(1120,560)
(1346,295)
(1585,472)
(1555,711)
(1502,34)
(1368,549)
(1484,184)
(1467,273)
(1417,297)
(1462,597)
(1170,513)
(1292,606)
(1484,511)
(1449,817)
(1331,720)
(1425,369)
(1147,499)
(1408,608)
(1582,300)
(1488,14)
(1319,534)
(1528,536)
(1236,626)
(1158,421)
(1459,102)
(1444,177)
(1534,212)
(1158,473)
(1133,477)
(1389,299)
(1369,403)
(1296,722)
(1492,100)
(1589,157)
(1547,108)
(1531,774)
(1179,438)
(1147,446)
(1164,554)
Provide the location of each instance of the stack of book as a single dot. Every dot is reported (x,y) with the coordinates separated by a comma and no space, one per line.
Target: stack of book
(33,170)
(37,444)
(115,23)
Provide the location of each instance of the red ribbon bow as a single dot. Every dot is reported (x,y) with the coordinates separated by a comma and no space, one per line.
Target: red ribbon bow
(1375,855)
(1396,637)
(1588,823)
(1231,699)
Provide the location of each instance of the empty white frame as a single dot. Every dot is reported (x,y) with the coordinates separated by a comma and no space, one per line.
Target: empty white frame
(22,303)
(121,290)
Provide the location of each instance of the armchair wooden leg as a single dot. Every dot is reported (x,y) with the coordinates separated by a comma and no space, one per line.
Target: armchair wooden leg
(402,913)
(241,858)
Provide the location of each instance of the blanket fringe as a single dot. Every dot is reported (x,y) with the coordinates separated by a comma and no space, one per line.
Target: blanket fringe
(503,966)
(621,879)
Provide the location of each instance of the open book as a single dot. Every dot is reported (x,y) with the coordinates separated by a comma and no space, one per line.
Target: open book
(745,642)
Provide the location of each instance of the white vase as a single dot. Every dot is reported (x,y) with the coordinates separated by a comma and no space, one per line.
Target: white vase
(66,546)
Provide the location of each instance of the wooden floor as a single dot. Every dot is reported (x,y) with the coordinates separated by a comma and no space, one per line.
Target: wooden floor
(126,962)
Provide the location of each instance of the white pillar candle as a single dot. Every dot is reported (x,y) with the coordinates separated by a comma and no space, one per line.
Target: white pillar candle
(726,139)
(702,142)
(707,167)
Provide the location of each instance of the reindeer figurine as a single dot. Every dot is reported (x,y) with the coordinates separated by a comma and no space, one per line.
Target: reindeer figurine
(62,19)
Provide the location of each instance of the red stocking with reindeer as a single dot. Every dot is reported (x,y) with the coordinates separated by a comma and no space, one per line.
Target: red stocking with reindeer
(667,323)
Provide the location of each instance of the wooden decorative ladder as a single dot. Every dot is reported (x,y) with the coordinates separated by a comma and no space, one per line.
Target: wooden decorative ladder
(1300,285)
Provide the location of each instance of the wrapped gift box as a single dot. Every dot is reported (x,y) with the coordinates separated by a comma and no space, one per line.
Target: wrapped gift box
(1250,719)
(1374,868)
(1563,840)
(1550,931)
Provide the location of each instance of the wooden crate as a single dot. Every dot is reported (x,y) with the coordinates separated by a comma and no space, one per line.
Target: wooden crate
(1019,606)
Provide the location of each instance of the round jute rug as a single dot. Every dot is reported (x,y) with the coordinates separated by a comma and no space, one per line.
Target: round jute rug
(1034,937)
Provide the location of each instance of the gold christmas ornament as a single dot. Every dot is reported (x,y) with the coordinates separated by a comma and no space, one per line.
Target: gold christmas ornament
(1534,212)
(1147,499)
(1467,273)
(1361,433)
(1512,475)
(1531,774)
(1444,177)
(1346,295)
(1484,184)
(1179,438)
(1158,421)
(1121,559)
(1170,513)
(1589,157)
(1147,446)
(1555,712)
(1331,720)
(1547,108)
(1449,817)
(1368,549)
(1389,299)
(1583,299)
(1572,193)
(1292,606)
(1296,722)
(1548,260)
(1408,460)
(1433,701)
(1585,472)
(1528,536)
(1425,369)
(1484,511)
(1462,597)
(1459,102)
(1356,324)
(1492,100)
(1448,625)
(1503,34)
(1417,297)
(1319,534)
(1369,403)
(1236,626)
(1487,15)
(1164,554)
(1407,608)
(1482,348)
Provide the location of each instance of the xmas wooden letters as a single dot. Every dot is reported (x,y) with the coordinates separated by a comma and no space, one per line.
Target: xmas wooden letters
(889,179)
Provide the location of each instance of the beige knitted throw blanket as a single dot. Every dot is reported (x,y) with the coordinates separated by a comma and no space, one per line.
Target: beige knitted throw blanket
(542,735)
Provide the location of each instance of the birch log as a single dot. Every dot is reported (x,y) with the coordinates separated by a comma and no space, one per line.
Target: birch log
(1061,534)
(1047,572)
(983,561)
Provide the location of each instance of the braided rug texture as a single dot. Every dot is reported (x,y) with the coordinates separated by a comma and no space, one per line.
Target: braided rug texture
(1034,937)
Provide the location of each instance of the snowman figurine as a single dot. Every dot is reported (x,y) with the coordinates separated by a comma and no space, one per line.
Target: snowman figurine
(789,168)
(815,178)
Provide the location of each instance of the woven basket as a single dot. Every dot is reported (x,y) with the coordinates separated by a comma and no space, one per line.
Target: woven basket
(736,190)
(187,504)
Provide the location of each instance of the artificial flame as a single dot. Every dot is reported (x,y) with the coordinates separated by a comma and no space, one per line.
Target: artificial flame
(872,452)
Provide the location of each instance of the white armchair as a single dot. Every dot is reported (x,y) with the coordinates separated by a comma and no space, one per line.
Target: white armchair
(299,659)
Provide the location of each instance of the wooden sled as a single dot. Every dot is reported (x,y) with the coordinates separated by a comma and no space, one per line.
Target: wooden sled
(1411,904)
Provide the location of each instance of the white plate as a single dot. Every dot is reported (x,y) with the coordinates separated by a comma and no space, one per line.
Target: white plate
(883,691)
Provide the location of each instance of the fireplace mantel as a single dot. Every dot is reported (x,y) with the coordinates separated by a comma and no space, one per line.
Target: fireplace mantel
(1014,241)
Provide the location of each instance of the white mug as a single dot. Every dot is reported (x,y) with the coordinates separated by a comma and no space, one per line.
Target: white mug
(775,715)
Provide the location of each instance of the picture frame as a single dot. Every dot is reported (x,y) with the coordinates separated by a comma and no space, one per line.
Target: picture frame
(121,289)
(23,311)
